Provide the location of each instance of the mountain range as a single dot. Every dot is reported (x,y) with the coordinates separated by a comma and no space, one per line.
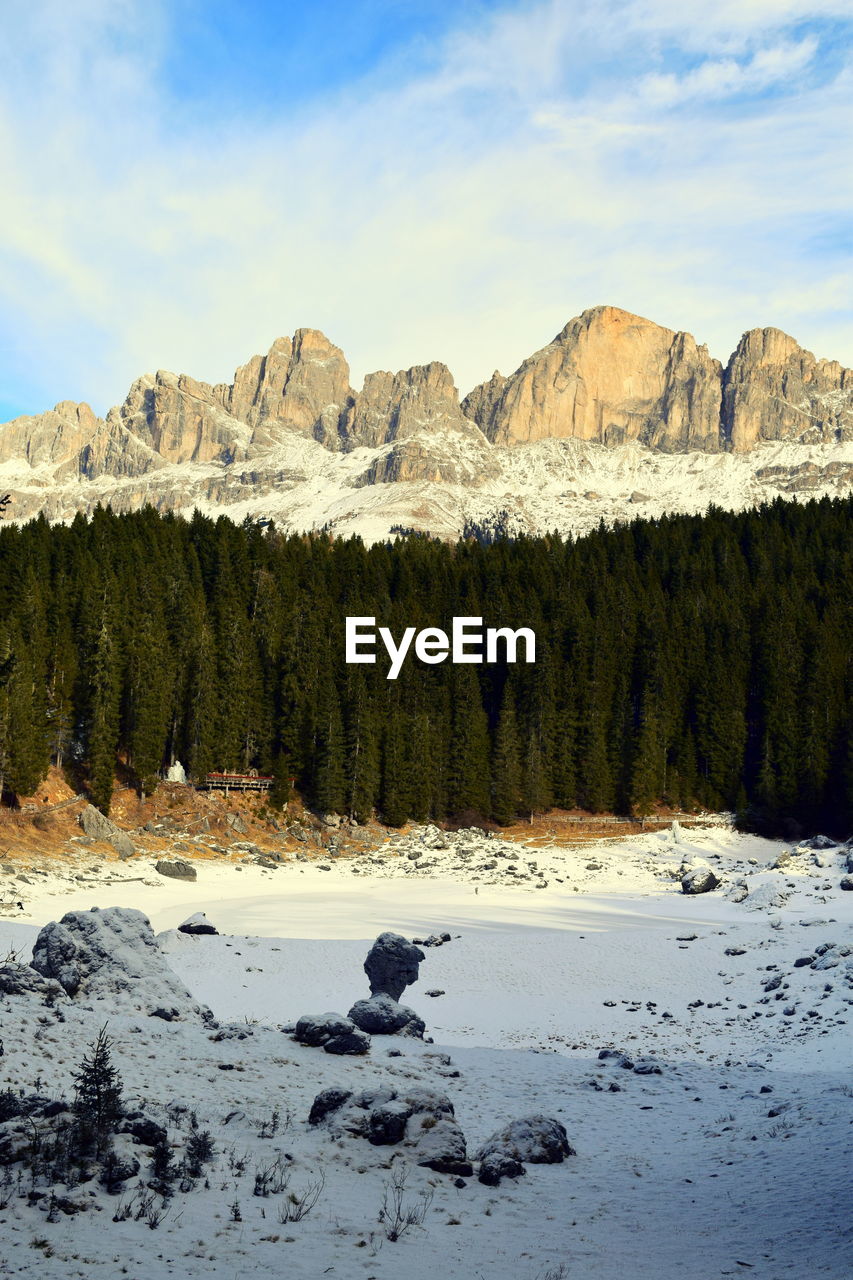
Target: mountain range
(616,416)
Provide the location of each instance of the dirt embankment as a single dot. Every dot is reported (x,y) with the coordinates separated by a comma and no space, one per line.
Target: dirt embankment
(178,820)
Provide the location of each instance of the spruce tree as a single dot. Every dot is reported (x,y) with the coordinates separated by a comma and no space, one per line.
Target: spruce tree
(97,1097)
(506,765)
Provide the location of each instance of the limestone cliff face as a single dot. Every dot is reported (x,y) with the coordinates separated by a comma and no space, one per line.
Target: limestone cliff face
(775,390)
(397,406)
(299,385)
(417,413)
(52,438)
(291,418)
(175,419)
(611,377)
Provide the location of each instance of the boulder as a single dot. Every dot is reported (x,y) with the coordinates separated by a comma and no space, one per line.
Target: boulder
(421,1118)
(387,1123)
(113,955)
(617,1058)
(846,883)
(100,827)
(348,1042)
(819,842)
(766,897)
(143,1130)
(499,1165)
(326,1103)
(175,869)
(392,965)
(380,1015)
(534,1139)
(439,1145)
(647,1067)
(332,1032)
(22,980)
(197,924)
(699,880)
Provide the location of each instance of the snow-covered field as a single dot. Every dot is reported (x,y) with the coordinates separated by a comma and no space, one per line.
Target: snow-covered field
(734,1160)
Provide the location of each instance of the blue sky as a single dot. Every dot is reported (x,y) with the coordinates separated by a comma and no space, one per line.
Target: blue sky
(186,180)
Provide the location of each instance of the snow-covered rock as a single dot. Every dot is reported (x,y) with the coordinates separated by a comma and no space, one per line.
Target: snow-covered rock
(499,1165)
(18,979)
(392,965)
(332,1032)
(819,842)
(112,955)
(534,1139)
(438,1145)
(699,879)
(380,1015)
(422,1119)
(766,897)
(197,924)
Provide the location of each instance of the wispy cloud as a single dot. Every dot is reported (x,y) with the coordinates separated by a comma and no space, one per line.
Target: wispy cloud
(554,156)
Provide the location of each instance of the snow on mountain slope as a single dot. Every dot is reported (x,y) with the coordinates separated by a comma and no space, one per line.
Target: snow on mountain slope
(616,417)
(568,485)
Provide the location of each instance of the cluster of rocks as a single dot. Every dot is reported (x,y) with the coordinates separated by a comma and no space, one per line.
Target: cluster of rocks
(424,1123)
(640,1066)
(470,852)
(392,964)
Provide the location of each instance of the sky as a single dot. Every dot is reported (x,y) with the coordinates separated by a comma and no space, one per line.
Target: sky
(186,180)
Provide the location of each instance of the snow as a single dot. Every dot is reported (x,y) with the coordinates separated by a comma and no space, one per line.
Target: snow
(542,485)
(683,1173)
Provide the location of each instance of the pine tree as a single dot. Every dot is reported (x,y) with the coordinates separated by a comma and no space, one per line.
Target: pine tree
(506,765)
(102,736)
(97,1097)
(361,749)
(468,763)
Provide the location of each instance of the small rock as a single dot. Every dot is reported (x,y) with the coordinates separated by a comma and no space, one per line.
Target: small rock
(197,924)
(499,1165)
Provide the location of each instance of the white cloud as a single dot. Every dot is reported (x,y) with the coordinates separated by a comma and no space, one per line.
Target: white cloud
(464,215)
(725,77)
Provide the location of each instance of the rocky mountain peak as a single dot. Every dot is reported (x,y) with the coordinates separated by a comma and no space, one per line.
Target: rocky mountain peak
(776,390)
(609,378)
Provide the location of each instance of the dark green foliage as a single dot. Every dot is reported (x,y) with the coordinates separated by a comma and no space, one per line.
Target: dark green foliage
(200,1150)
(163,1168)
(695,661)
(97,1097)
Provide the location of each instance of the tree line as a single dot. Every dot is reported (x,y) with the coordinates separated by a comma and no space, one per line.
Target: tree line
(695,661)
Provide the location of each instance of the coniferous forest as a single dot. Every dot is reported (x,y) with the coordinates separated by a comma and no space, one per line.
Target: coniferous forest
(696,661)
